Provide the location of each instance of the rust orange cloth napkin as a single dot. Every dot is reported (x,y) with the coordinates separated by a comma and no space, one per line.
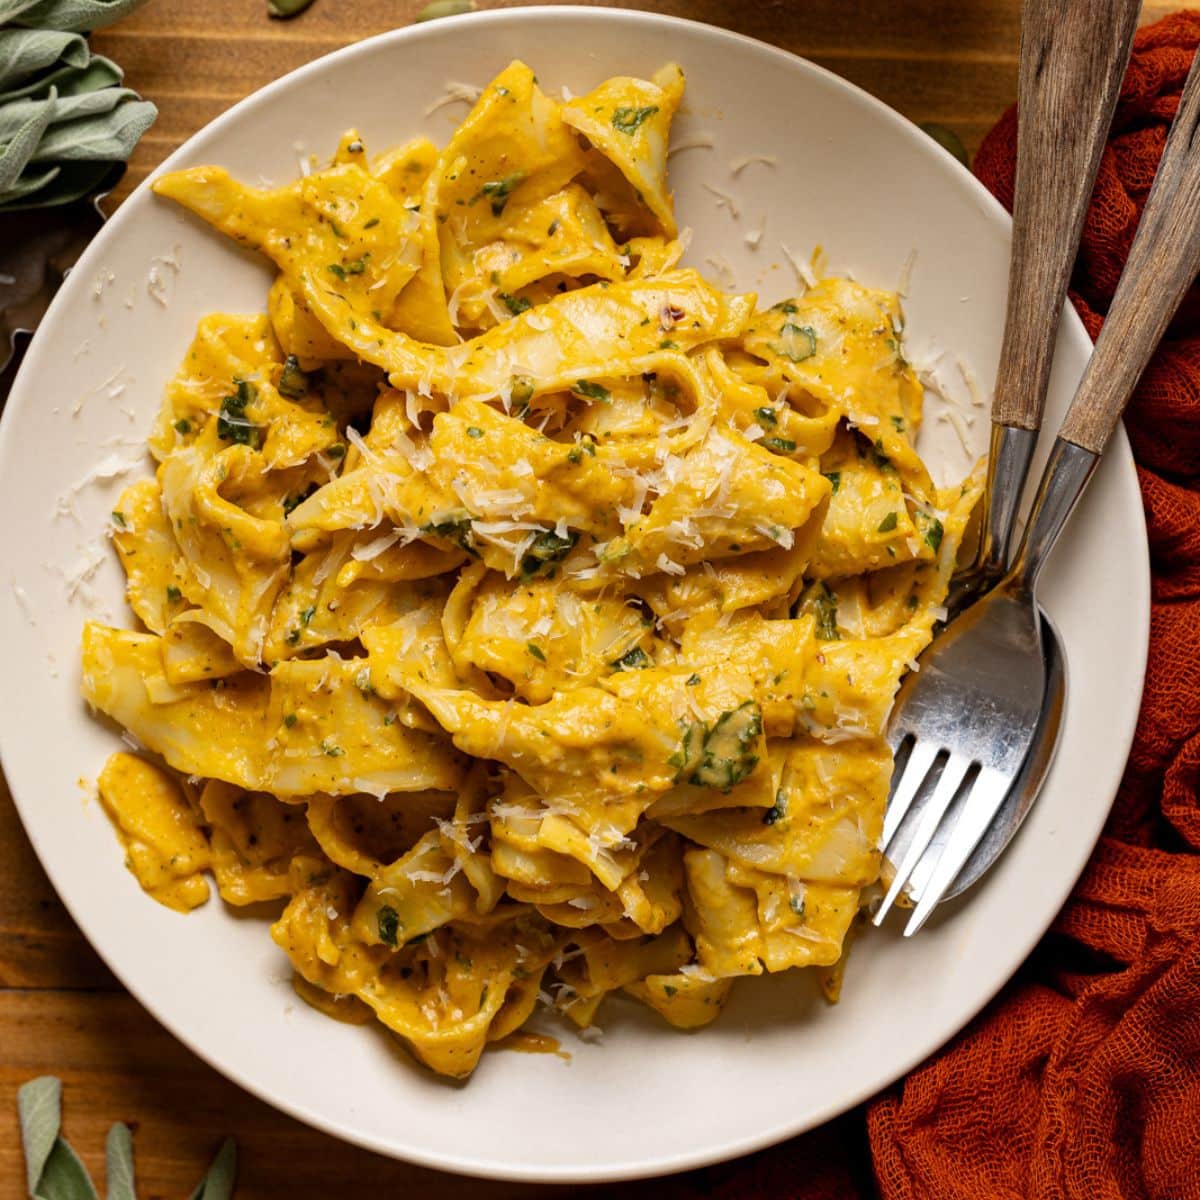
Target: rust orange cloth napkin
(1082,1079)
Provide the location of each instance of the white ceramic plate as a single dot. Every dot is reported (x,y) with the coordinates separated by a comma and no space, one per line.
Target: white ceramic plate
(851,175)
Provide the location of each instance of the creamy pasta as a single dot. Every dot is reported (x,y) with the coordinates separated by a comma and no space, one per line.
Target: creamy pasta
(517,609)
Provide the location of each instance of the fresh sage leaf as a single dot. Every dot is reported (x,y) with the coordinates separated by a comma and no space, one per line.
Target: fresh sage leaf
(283,9)
(27,185)
(24,52)
(39,1106)
(10,10)
(73,16)
(108,135)
(948,140)
(68,183)
(52,1169)
(218,1183)
(64,1177)
(69,81)
(63,108)
(444,8)
(118,1164)
(20,148)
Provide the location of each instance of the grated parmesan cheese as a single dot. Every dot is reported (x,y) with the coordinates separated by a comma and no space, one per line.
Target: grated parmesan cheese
(724,271)
(698,141)
(455,92)
(740,164)
(805,275)
(724,200)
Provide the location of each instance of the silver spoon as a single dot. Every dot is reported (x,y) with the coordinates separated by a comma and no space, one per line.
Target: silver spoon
(1072,62)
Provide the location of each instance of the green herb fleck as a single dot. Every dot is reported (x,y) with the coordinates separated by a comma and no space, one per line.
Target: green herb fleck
(520,391)
(766,416)
(232,423)
(627,120)
(290,720)
(777,810)
(888,523)
(183,425)
(592,391)
(934,534)
(535,650)
(720,755)
(357,267)
(119,519)
(797,342)
(515,304)
(371,223)
(545,550)
(330,750)
(783,445)
(387,920)
(825,609)
(457,531)
(293,382)
(174,595)
(499,191)
(835,479)
(294,501)
(473,431)
(693,680)
(633,659)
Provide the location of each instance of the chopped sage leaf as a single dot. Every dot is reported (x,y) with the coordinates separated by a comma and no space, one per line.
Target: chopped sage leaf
(293,382)
(498,190)
(515,304)
(628,120)
(777,810)
(633,659)
(388,921)
(232,423)
(545,550)
(592,391)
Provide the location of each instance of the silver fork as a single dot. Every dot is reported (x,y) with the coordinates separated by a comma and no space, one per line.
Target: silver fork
(1057,164)
(965,721)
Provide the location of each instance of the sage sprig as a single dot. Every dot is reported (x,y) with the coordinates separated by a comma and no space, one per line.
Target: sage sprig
(65,121)
(53,1170)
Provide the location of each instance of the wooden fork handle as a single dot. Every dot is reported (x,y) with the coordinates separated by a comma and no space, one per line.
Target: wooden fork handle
(1073,57)
(1162,265)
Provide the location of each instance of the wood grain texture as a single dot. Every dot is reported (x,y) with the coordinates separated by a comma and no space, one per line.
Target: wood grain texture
(61,1012)
(1073,58)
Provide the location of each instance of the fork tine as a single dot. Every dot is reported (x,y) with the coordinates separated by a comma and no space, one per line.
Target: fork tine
(920,759)
(953,774)
(979,809)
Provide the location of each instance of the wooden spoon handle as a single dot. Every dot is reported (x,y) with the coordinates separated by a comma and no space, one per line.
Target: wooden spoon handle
(1073,58)
(1162,265)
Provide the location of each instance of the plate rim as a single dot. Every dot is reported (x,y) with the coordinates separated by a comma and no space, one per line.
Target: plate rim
(488,1168)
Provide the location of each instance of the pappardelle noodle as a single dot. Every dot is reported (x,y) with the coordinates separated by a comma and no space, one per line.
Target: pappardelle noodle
(519,608)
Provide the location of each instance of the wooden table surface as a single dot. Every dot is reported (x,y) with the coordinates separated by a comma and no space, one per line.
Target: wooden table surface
(61,1011)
